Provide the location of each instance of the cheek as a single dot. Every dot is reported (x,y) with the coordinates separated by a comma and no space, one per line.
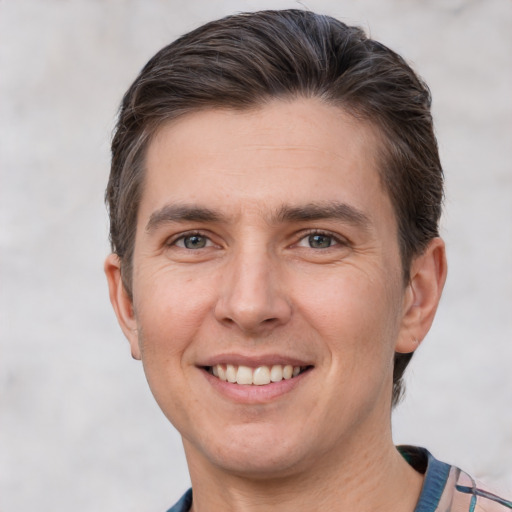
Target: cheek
(356,313)
(170,308)
(169,315)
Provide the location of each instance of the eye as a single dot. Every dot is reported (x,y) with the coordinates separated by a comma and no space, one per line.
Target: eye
(193,241)
(318,241)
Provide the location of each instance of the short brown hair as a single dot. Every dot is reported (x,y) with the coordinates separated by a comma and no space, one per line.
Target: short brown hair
(244,60)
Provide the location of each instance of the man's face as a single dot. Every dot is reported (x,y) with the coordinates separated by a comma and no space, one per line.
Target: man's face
(266,241)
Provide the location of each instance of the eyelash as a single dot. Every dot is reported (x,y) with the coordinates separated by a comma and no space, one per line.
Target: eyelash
(335,238)
(174,240)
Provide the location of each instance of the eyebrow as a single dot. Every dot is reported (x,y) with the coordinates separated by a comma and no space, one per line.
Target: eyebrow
(319,211)
(286,213)
(181,213)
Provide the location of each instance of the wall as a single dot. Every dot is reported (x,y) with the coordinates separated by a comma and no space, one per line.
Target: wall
(78,427)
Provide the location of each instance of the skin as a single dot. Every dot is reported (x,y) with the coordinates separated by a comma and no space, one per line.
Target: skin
(255,188)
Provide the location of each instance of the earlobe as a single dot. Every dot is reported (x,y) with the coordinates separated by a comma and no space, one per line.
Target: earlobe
(122,303)
(427,278)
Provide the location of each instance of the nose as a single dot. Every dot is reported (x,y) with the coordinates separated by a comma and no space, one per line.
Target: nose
(253,295)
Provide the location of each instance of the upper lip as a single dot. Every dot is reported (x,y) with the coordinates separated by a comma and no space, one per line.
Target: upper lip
(253,361)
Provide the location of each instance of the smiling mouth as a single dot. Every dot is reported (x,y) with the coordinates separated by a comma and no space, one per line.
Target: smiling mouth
(260,376)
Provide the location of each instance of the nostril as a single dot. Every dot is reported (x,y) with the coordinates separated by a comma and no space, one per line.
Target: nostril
(253,311)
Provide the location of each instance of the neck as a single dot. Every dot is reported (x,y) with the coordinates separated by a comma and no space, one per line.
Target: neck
(368,477)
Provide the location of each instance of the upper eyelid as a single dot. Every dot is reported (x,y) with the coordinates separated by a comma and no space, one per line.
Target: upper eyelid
(325,232)
(300,235)
(180,236)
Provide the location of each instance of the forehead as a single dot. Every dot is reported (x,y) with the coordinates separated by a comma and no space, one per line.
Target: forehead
(285,152)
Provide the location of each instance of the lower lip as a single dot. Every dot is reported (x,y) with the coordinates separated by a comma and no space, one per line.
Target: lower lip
(251,394)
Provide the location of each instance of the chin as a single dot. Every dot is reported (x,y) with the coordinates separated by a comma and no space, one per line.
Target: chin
(255,455)
(259,466)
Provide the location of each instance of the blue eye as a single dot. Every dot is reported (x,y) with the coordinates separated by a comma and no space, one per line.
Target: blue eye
(193,242)
(319,241)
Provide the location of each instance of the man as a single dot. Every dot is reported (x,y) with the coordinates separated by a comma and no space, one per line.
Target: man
(274,197)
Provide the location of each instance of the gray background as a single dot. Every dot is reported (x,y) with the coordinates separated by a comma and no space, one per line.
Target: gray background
(78,427)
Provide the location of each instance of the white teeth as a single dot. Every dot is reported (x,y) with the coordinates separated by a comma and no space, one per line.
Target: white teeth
(260,376)
(230,373)
(276,373)
(244,375)
(221,371)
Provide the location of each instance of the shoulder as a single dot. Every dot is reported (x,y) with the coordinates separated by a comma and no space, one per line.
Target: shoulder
(449,489)
(472,495)
(184,504)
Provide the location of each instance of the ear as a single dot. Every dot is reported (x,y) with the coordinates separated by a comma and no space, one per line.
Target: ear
(122,303)
(422,295)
